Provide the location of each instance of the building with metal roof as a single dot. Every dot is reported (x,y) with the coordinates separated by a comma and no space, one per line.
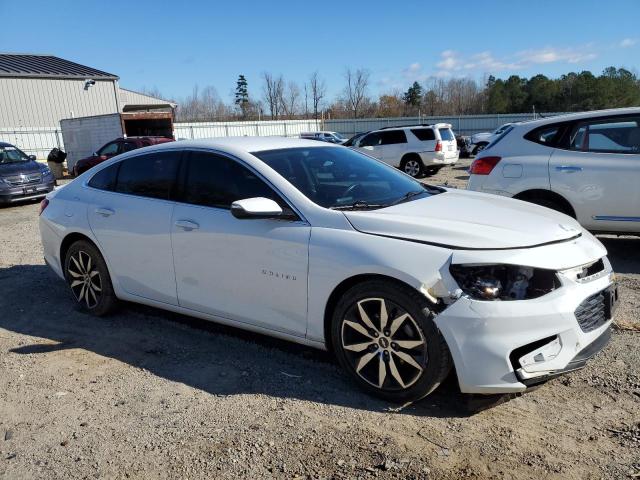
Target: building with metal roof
(37,91)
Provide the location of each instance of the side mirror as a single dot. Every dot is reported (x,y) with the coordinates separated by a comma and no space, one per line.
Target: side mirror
(32,157)
(94,154)
(258,207)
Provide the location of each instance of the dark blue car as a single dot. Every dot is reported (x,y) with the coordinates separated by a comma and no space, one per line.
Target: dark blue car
(21,177)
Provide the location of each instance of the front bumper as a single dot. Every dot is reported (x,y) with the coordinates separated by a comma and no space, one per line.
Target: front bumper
(483,335)
(26,192)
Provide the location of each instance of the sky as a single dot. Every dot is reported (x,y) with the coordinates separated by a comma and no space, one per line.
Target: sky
(172,46)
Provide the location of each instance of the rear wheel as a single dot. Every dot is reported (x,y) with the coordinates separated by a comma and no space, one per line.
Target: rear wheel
(384,336)
(412,166)
(549,202)
(88,278)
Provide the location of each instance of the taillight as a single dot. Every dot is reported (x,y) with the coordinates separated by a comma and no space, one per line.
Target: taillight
(438,146)
(43,204)
(484,165)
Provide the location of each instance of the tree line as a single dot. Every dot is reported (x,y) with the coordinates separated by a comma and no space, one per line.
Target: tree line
(278,98)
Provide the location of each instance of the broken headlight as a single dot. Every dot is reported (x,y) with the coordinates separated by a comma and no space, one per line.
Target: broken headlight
(504,282)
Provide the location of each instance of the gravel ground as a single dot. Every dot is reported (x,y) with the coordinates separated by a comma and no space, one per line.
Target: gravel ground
(149,394)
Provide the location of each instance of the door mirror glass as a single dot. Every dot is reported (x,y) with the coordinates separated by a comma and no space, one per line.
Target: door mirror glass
(258,207)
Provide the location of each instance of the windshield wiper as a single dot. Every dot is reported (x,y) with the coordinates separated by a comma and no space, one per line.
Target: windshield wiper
(358,205)
(406,197)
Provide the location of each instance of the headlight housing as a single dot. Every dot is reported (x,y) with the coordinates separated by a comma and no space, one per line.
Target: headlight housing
(504,282)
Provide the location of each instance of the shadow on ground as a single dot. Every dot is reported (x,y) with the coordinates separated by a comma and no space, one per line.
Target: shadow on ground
(623,252)
(213,358)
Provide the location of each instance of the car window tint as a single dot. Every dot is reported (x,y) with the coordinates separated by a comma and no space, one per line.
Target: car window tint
(371,140)
(128,146)
(392,137)
(446,134)
(152,175)
(216,181)
(614,135)
(105,179)
(424,134)
(109,149)
(544,135)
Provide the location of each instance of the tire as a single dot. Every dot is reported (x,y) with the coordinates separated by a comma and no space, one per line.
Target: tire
(412,166)
(94,294)
(409,348)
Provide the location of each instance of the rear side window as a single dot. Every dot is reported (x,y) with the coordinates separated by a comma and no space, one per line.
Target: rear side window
(216,181)
(424,134)
(446,134)
(546,135)
(391,137)
(152,175)
(105,179)
(612,135)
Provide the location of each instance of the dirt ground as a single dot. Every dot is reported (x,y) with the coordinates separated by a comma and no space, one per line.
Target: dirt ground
(149,394)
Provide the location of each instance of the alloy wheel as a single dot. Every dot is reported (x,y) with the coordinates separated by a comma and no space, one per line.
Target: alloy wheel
(412,167)
(383,344)
(84,279)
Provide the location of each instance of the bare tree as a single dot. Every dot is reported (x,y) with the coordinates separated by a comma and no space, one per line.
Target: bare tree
(272,92)
(356,89)
(290,99)
(318,89)
(202,105)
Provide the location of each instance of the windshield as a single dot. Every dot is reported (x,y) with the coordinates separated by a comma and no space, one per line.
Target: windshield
(338,136)
(12,155)
(342,178)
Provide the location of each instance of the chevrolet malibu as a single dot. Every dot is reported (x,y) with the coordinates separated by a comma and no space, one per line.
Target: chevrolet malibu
(328,247)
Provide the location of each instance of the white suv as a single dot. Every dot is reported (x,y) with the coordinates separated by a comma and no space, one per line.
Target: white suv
(586,165)
(417,150)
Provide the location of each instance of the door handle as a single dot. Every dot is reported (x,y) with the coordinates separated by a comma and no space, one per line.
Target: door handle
(104,211)
(187,225)
(568,168)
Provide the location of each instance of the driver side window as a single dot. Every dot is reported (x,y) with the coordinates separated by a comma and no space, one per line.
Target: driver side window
(371,140)
(109,149)
(216,181)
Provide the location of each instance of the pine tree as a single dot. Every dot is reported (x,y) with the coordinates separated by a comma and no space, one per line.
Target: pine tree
(242,95)
(413,96)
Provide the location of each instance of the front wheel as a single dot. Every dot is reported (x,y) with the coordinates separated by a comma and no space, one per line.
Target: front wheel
(385,337)
(88,278)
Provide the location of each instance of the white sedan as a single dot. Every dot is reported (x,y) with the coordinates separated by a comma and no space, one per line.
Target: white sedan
(327,247)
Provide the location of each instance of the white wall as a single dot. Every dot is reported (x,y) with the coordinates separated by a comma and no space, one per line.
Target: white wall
(42,102)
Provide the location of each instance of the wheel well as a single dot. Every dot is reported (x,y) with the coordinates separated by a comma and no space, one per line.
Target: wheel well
(563,204)
(70,240)
(341,289)
(409,156)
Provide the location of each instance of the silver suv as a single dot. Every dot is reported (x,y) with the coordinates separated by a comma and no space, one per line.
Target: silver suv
(417,150)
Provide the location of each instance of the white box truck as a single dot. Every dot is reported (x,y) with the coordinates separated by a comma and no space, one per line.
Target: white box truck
(82,136)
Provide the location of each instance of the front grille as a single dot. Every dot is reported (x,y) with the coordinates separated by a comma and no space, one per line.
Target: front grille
(592,313)
(26,179)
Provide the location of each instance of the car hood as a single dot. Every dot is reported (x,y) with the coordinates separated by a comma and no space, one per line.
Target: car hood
(17,168)
(468,220)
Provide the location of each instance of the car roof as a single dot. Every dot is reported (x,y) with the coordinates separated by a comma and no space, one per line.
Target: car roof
(251,144)
(5,144)
(578,116)
(423,125)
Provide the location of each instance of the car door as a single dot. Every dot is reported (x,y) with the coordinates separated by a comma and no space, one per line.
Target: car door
(393,145)
(598,172)
(370,144)
(130,216)
(248,270)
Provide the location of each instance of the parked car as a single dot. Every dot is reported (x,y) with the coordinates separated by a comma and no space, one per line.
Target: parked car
(479,141)
(417,150)
(331,137)
(353,139)
(113,148)
(325,246)
(21,176)
(585,165)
